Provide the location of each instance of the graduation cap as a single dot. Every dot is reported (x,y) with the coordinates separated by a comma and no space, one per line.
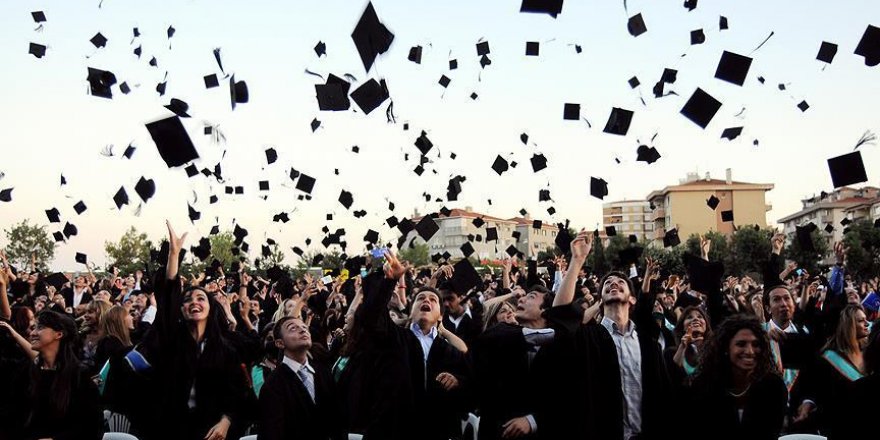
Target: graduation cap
(81,258)
(845,222)
(464,276)
(129,151)
(415,54)
(305,183)
(203,250)
(145,188)
(120,198)
(803,106)
(137,51)
(467,249)
(671,238)
(537,224)
(726,216)
(100,82)
(271,156)
(99,40)
(172,141)
(320,49)
(179,107)
(160,88)
(544,195)
(370,95)
(713,202)
(804,238)
(618,121)
(58,236)
(69,230)
(444,81)
(539,162)
(315,124)
(333,95)
(733,68)
(371,236)
(571,112)
(37,50)
(491,234)
(511,250)
(56,280)
(211,81)
(610,231)
(698,37)
(371,37)
(346,199)
(281,217)
(238,92)
(869,46)
(633,82)
(427,227)
(38,16)
(630,255)
(647,154)
(53,215)
(80,207)
(532,48)
(239,233)
(563,239)
(264,185)
(552,7)
(701,108)
(193,214)
(405,226)
(171,31)
(636,25)
(829,228)
(423,143)
(731,133)
(598,188)
(124,88)
(826,52)
(500,165)
(847,169)
(722,23)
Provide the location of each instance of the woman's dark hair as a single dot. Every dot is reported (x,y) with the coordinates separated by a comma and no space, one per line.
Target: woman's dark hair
(871,355)
(66,364)
(715,368)
(216,329)
(21,319)
(679,329)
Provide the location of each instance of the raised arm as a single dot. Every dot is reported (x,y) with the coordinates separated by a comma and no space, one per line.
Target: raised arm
(580,248)
(5,310)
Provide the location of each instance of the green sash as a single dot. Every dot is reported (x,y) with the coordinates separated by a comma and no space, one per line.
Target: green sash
(102,375)
(842,365)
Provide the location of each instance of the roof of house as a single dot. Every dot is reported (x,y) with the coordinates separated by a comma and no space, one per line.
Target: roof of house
(711,184)
(844,203)
(461,213)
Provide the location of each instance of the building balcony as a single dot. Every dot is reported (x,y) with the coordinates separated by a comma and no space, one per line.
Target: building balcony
(658,214)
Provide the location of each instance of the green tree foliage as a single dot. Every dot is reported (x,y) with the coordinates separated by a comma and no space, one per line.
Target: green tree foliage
(720,250)
(616,244)
(130,253)
(808,260)
(275,258)
(669,258)
(863,255)
(417,256)
(25,240)
(749,251)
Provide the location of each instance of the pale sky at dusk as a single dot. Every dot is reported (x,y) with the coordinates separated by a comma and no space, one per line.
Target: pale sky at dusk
(51,125)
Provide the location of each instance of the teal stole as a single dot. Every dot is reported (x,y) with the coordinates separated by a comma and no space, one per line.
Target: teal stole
(842,365)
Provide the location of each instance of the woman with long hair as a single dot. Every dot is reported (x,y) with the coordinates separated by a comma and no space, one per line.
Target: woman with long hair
(198,386)
(499,309)
(691,331)
(824,387)
(90,333)
(115,343)
(58,400)
(736,392)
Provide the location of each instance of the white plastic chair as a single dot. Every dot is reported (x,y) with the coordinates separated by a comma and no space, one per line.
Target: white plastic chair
(355,437)
(118,436)
(474,423)
(803,437)
(249,437)
(116,422)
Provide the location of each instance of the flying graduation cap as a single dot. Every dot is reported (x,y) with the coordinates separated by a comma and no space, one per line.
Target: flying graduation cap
(371,37)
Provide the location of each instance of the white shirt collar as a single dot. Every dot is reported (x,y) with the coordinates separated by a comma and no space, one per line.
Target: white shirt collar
(296,366)
(418,331)
(612,327)
(790,329)
(456,321)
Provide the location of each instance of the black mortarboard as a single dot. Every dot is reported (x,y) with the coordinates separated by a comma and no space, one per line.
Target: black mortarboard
(371,37)
(427,227)
(633,82)
(552,7)
(203,250)
(154,62)
(193,214)
(500,165)
(803,106)
(129,151)
(211,81)
(847,169)
(69,230)
(264,185)
(877,223)
(39,16)
(239,233)
(690,5)
(58,236)
(315,124)
(671,238)
(869,46)
(137,51)
(610,231)
(53,215)
(239,190)
(81,258)
(415,54)
(571,112)
(633,238)
(539,162)
(145,188)
(172,141)
(321,48)
(698,37)
(6,195)
(515,235)
(282,217)
(511,250)
(238,92)
(100,82)
(727,216)
(483,48)
(563,240)
(80,207)
(467,249)
(124,88)
(56,280)
(305,183)
(829,228)
(371,236)
(713,202)
(669,75)
(464,277)
(630,255)
(370,95)
(804,238)
(731,133)
(491,234)
(121,198)
(647,154)
(478,222)
(537,224)
(346,199)
(722,23)
(179,107)
(826,52)
(37,50)
(701,108)
(160,88)
(733,68)
(392,222)
(423,143)
(405,226)
(99,40)
(444,81)
(618,121)
(271,156)
(213,199)
(598,187)
(636,25)
(845,222)
(333,95)
(532,48)
(544,195)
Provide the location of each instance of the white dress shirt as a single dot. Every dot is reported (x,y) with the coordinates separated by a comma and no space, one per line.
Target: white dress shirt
(629,356)
(425,340)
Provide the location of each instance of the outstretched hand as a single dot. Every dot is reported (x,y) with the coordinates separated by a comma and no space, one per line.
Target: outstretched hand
(581,245)
(175,243)
(777,243)
(394,269)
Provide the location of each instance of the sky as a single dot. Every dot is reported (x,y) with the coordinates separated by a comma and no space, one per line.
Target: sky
(51,125)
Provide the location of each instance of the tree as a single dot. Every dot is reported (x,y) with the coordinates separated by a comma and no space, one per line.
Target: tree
(808,260)
(669,258)
(275,258)
(417,256)
(749,251)
(720,250)
(221,248)
(596,260)
(26,241)
(863,250)
(616,244)
(130,253)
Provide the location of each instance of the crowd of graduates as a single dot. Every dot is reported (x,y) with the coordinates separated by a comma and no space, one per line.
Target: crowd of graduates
(392,352)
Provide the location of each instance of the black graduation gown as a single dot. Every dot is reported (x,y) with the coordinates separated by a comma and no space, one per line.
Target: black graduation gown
(862,409)
(288,412)
(470,326)
(714,414)
(83,420)
(830,391)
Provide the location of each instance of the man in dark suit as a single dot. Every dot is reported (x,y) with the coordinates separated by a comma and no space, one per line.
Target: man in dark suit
(77,296)
(459,318)
(298,400)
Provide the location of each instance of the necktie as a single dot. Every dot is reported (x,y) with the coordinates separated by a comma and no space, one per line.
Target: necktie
(307,380)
